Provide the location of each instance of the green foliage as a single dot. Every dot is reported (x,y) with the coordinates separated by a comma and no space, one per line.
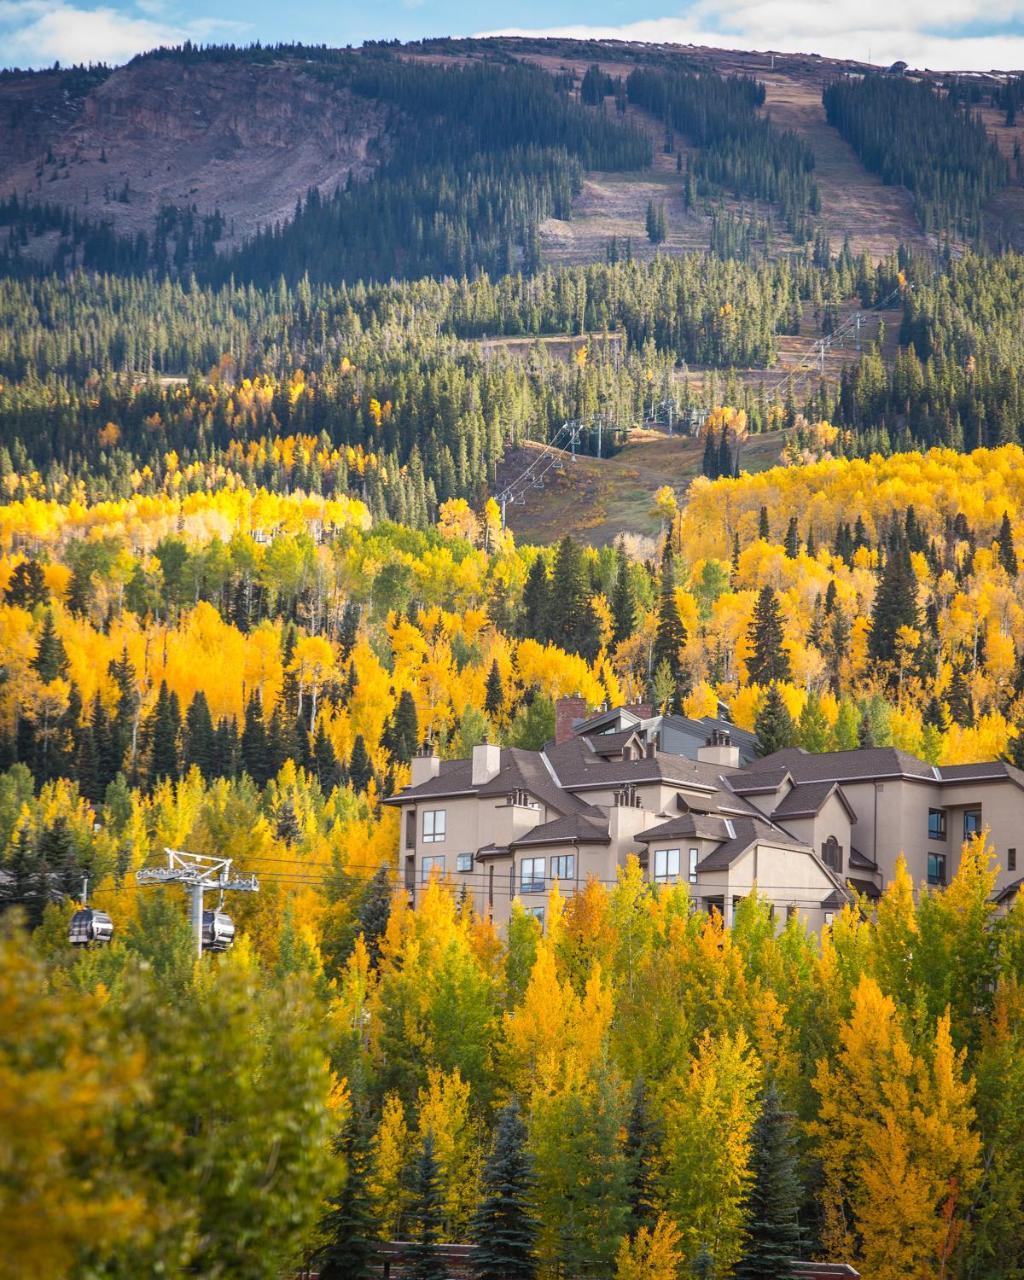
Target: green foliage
(503,1227)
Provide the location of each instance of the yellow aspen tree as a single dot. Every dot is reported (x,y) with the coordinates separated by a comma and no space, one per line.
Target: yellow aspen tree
(391,1151)
(704,1183)
(444,1111)
(896,1137)
(653,1254)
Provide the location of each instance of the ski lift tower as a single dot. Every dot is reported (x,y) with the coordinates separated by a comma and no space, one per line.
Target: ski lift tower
(214,930)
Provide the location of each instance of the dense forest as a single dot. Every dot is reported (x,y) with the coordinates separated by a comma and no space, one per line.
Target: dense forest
(246,674)
(914,135)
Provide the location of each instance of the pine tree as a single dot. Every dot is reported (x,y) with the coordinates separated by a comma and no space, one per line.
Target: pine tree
(360,770)
(347,1227)
(50,660)
(27,586)
(375,911)
(671,633)
(773,724)
(255,748)
(763,528)
(536,603)
(895,603)
(199,743)
(572,623)
(503,1227)
(325,760)
(623,602)
(643,1139)
(1007,551)
(494,699)
(164,727)
(768,660)
(426,1212)
(958,698)
(792,540)
(774,1235)
(404,738)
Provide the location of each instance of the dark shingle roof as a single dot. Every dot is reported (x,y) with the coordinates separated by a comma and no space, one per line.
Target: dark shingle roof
(753,780)
(576,828)
(839,766)
(977,772)
(577,765)
(861,860)
(807,799)
(700,826)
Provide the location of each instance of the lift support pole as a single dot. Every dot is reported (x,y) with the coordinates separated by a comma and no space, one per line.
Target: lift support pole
(197,873)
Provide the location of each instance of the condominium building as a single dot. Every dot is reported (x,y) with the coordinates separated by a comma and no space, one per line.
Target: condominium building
(807,830)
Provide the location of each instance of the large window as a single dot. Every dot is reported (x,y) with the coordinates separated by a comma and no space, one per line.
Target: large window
(692,868)
(937,868)
(429,865)
(972,823)
(832,854)
(936,824)
(410,829)
(531,875)
(563,867)
(666,865)
(463,862)
(434,821)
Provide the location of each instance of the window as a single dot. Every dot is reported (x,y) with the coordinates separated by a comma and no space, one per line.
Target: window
(666,865)
(936,824)
(829,918)
(537,913)
(694,859)
(434,826)
(972,823)
(463,862)
(832,854)
(531,875)
(410,829)
(1011,859)
(564,867)
(937,868)
(429,865)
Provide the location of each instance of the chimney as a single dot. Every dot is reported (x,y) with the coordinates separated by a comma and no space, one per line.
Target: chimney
(425,766)
(644,710)
(567,712)
(486,763)
(719,750)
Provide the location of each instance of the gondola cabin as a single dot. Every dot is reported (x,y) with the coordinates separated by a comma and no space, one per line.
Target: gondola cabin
(90,927)
(218,931)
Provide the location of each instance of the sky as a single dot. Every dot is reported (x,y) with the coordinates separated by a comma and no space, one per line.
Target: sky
(942,34)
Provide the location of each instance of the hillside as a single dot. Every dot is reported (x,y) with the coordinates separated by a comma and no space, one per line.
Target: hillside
(246,136)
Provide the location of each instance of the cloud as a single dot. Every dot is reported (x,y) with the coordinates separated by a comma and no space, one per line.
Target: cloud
(38,32)
(942,34)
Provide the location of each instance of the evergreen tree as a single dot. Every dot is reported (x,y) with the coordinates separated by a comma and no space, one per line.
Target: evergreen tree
(536,603)
(773,724)
(404,737)
(360,770)
(163,731)
(503,1227)
(792,540)
(572,622)
(375,911)
(1007,551)
(623,602)
(895,603)
(768,660)
(27,586)
(671,633)
(427,1214)
(50,660)
(643,1140)
(199,747)
(325,760)
(774,1236)
(254,745)
(348,1252)
(494,699)
(763,528)
(958,698)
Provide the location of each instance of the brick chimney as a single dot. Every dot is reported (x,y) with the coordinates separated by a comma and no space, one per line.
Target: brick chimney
(567,712)
(644,710)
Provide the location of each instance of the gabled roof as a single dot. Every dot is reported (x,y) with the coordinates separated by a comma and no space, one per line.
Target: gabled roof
(699,826)
(613,744)
(747,832)
(518,770)
(758,781)
(576,828)
(577,766)
(807,799)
